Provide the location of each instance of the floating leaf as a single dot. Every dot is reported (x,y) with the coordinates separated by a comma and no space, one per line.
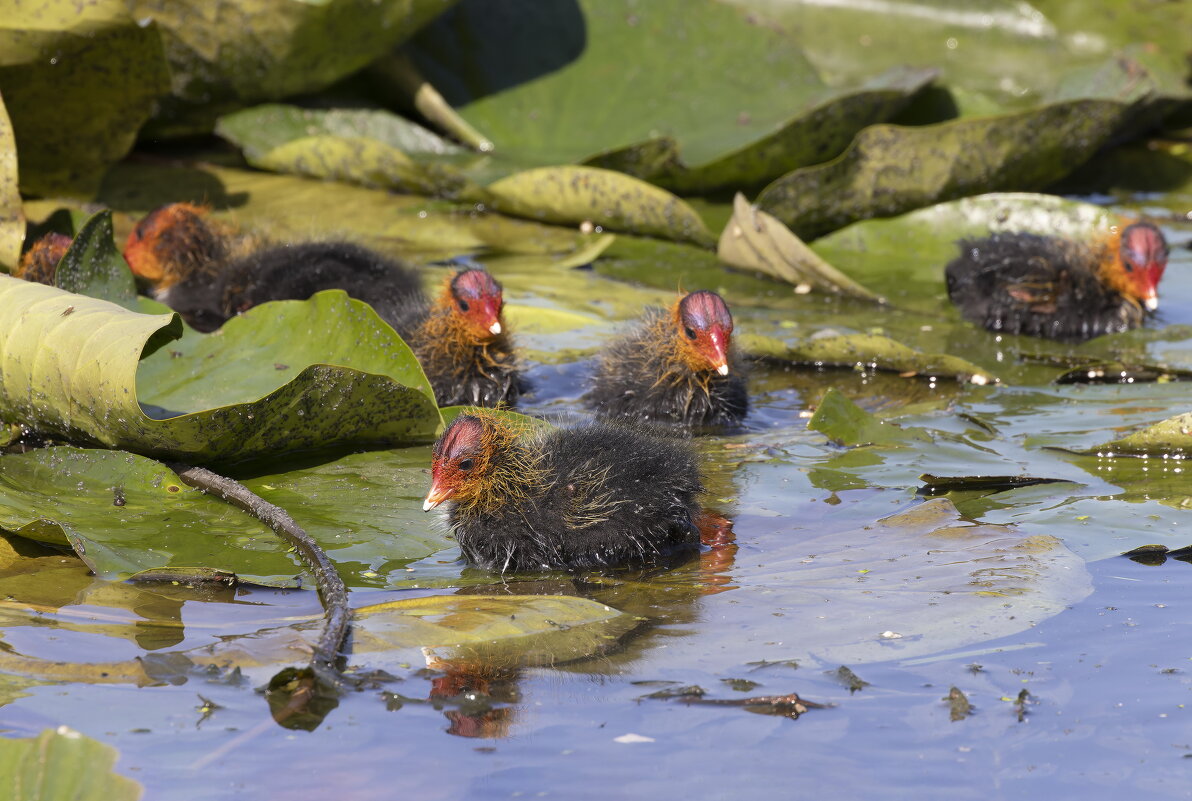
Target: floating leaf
(12,216)
(867,352)
(606,198)
(366,147)
(78,84)
(753,240)
(298,209)
(891,169)
(284,376)
(1168,438)
(845,423)
(654,90)
(375,148)
(124,514)
(245,51)
(62,764)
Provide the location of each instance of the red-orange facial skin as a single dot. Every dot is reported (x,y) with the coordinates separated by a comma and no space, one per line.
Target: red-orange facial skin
(455,459)
(140,249)
(706,330)
(477,299)
(1143,253)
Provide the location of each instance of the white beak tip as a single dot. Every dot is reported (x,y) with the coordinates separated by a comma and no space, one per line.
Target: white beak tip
(495,328)
(1151,303)
(428,504)
(722,369)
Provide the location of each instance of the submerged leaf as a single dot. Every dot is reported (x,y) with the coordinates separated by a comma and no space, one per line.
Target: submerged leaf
(939,485)
(503,632)
(284,376)
(846,423)
(62,764)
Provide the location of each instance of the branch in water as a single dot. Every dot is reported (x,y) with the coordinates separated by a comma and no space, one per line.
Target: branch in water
(332,592)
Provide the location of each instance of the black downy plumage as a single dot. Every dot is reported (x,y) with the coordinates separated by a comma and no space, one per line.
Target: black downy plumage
(677,366)
(1047,286)
(593,496)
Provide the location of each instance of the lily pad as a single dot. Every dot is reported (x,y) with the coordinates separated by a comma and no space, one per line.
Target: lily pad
(78,83)
(92,266)
(659,91)
(891,169)
(866,352)
(12,217)
(124,514)
(290,207)
(1168,439)
(246,51)
(367,147)
(285,376)
(375,148)
(609,199)
(62,764)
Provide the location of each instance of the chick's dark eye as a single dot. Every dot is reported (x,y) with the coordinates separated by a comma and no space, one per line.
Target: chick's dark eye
(463,305)
(689,331)
(466,464)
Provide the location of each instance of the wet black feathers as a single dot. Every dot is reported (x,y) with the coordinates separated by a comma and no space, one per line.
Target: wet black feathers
(610,495)
(638,378)
(1037,285)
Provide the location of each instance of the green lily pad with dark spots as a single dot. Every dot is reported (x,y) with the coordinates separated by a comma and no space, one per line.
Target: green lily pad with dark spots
(126,513)
(285,376)
(689,94)
(12,215)
(892,169)
(78,83)
(246,51)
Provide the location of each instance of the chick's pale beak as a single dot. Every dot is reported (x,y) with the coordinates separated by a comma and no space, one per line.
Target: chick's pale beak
(718,345)
(495,328)
(1151,303)
(435,497)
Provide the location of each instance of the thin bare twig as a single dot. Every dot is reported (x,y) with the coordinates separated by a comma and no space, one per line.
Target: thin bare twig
(332,592)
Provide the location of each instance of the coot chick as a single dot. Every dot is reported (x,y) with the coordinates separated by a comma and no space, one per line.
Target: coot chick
(463,343)
(40,262)
(676,365)
(593,496)
(1047,286)
(208,274)
(459,337)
